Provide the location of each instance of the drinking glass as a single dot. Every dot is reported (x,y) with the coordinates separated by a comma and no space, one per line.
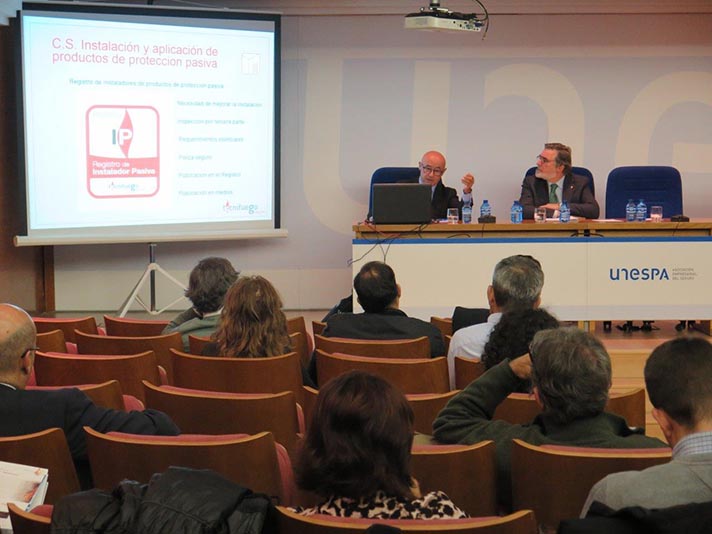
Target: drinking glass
(656,213)
(452,216)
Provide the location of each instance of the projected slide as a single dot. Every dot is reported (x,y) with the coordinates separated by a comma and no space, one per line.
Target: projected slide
(148,123)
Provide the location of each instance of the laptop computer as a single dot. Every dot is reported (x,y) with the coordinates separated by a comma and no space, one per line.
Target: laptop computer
(401,203)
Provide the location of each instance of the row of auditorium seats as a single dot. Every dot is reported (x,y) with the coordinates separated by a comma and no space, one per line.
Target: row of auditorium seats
(196,406)
(551,481)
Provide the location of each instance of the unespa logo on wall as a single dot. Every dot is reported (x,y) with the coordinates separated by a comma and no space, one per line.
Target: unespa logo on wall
(652,273)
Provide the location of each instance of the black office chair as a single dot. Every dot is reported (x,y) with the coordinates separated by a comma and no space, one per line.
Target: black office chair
(583,171)
(657,186)
(391,175)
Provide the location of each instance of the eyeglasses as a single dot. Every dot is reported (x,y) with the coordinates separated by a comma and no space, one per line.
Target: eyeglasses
(437,171)
(543,159)
(31,349)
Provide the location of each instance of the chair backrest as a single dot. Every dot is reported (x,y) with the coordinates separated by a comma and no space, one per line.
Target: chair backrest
(522,408)
(299,344)
(466,473)
(160,345)
(28,522)
(464,317)
(309,396)
(46,449)
(444,324)
(409,375)
(391,175)
(467,370)
(521,522)
(248,460)
(68,326)
(120,326)
(106,394)
(656,185)
(239,375)
(426,407)
(555,481)
(377,348)
(306,343)
(197,344)
(582,171)
(52,341)
(54,369)
(210,412)
(318,327)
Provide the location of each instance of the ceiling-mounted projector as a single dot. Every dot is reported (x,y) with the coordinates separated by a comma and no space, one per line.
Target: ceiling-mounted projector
(438,18)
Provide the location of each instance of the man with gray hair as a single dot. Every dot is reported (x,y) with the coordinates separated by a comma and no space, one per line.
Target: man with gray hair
(570,372)
(516,284)
(553,182)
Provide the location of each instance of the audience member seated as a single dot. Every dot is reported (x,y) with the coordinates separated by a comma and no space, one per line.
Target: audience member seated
(512,335)
(570,372)
(356,454)
(378,294)
(26,411)
(252,323)
(207,285)
(677,378)
(516,284)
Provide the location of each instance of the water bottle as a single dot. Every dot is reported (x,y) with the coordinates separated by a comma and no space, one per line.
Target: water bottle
(641,211)
(516,213)
(485,209)
(564,212)
(630,210)
(466,213)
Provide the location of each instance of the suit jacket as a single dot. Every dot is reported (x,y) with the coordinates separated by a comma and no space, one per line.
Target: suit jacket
(443,198)
(389,324)
(576,191)
(28,411)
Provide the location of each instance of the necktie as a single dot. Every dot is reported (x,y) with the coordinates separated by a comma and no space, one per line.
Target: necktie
(552,193)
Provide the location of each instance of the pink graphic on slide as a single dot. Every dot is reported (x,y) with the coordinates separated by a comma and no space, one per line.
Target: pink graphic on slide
(122,151)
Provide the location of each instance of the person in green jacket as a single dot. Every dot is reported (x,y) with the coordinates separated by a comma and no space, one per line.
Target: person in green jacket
(207,286)
(570,372)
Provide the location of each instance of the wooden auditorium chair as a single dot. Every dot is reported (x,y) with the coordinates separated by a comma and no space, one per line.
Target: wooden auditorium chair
(46,449)
(52,341)
(392,348)
(290,522)
(444,324)
(426,407)
(422,375)
(254,461)
(211,412)
(466,473)
(304,345)
(160,345)
(30,522)
(554,481)
(106,394)
(121,326)
(318,327)
(466,371)
(67,326)
(239,375)
(54,369)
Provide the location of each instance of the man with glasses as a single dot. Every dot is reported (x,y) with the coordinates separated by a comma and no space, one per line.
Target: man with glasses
(553,182)
(25,411)
(570,373)
(432,167)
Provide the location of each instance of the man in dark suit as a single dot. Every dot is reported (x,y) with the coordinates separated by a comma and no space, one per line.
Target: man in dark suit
(378,293)
(432,167)
(554,182)
(26,411)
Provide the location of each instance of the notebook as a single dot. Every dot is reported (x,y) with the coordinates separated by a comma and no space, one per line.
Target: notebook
(401,203)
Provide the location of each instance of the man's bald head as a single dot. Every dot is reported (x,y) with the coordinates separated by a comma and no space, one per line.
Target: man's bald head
(17,334)
(432,167)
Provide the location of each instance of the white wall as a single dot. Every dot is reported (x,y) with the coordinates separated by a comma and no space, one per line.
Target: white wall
(360,92)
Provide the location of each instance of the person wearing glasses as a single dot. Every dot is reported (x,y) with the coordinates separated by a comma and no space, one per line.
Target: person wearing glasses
(432,167)
(25,411)
(554,182)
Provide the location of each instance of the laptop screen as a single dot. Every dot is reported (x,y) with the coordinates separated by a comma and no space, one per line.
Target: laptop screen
(401,203)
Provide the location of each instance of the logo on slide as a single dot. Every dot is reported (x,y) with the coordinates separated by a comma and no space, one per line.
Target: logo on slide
(122,151)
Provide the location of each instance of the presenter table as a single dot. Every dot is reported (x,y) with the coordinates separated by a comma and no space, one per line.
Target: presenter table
(594,270)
